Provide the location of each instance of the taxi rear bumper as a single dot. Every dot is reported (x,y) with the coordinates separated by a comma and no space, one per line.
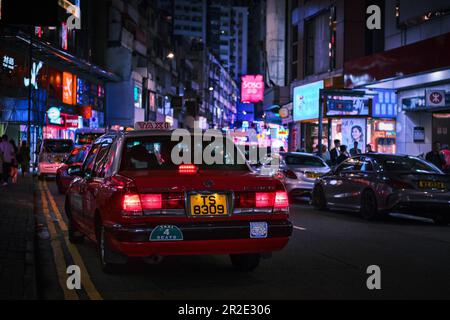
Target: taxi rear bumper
(210,238)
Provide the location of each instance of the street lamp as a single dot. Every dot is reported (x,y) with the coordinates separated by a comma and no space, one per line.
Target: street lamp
(171,55)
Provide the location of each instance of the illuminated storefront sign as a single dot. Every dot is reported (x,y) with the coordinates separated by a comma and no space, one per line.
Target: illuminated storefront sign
(34,75)
(8,63)
(69,88)
(252,89)
(385,104)
(86,112)
(347,106)
(306,101)
(54,116)
(71,121)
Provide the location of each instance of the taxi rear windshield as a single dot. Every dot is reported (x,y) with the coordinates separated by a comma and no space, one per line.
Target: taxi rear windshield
(155,153)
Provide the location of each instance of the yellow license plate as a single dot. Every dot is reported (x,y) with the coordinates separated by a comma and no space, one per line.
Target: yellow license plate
(313,175)
(208,205)
(432,185)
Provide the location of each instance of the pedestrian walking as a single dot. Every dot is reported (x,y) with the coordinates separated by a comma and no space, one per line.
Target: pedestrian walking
(14,163)
(24,158)
(7,155)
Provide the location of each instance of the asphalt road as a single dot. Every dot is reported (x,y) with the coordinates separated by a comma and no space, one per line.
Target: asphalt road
(327,258)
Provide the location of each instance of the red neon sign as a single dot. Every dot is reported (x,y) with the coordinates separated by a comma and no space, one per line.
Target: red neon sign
(252,89)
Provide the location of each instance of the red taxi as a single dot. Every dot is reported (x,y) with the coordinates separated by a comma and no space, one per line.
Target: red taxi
(133,201)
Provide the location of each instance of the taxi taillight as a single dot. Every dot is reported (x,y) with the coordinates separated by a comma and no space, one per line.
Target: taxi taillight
(281,200)
(131,204)
(140,204)
(278,200)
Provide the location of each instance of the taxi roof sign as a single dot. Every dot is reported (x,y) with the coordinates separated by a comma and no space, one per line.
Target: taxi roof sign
(153,126)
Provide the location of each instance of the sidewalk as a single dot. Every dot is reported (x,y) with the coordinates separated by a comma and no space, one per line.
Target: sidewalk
(17,232)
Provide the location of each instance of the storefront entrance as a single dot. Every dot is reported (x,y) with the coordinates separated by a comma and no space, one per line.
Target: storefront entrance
(441,126)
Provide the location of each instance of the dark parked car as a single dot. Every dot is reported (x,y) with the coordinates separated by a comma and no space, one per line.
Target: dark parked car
(378,184)
(76,158)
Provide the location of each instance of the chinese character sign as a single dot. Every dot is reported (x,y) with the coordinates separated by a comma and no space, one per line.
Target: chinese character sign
(252,88)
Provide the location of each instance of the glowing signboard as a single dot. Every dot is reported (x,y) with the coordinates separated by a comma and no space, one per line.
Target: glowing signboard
(306,101)
(69,88)
(252,89)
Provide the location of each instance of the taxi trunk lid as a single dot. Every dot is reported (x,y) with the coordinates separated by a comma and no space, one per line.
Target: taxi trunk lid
(148,181)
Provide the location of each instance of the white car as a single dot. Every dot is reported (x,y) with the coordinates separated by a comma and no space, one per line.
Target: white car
(301,170)
(52,154)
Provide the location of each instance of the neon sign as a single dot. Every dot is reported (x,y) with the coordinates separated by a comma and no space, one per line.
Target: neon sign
(34,74)
(252,89)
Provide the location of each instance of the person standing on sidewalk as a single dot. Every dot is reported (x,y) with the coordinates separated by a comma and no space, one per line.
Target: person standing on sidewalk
(435,156)
(7,154)
(23,158)
(14,163)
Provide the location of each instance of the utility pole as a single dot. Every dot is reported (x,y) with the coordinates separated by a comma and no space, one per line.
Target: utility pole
(30,89)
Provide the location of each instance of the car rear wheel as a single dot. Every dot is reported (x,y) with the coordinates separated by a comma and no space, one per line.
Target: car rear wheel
(318,198)
(369,206)
(245,262)
(107,256)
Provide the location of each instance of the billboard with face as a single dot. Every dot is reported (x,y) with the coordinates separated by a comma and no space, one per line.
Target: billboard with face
(354,130)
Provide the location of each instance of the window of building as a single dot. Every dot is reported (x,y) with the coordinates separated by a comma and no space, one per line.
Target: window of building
(317,35)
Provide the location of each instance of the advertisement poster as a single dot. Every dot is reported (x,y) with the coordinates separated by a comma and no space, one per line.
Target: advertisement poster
(354,130)
(306,101)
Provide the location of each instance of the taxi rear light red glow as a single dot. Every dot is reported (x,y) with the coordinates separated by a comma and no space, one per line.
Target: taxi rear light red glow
(281,200)
(151,201)
(264,200)
(187,169)
(131,204)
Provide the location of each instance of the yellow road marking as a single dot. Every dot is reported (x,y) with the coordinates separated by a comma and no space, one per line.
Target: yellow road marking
(58,255)
(62,223)
(86,281)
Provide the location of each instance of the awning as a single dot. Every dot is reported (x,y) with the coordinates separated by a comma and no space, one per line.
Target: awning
(59,58)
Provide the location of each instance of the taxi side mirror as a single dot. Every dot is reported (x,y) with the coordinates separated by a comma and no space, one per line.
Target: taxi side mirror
(75,171)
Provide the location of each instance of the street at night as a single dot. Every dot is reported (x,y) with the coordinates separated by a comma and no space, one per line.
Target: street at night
(327,258)
(224,158)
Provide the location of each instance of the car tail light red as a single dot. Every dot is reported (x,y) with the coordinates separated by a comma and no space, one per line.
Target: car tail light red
(151,201)
(131,204)
(187,169)
(264,200)
(140,204)
(290,174)
(281,200)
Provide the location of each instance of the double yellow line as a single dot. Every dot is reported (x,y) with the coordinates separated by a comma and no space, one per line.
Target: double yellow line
(57,242)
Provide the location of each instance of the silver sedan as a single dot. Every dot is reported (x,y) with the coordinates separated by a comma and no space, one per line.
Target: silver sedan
(301,170)
(376,184)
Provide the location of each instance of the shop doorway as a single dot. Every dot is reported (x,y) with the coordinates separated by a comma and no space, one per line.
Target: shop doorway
(310,136)
(441,126)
